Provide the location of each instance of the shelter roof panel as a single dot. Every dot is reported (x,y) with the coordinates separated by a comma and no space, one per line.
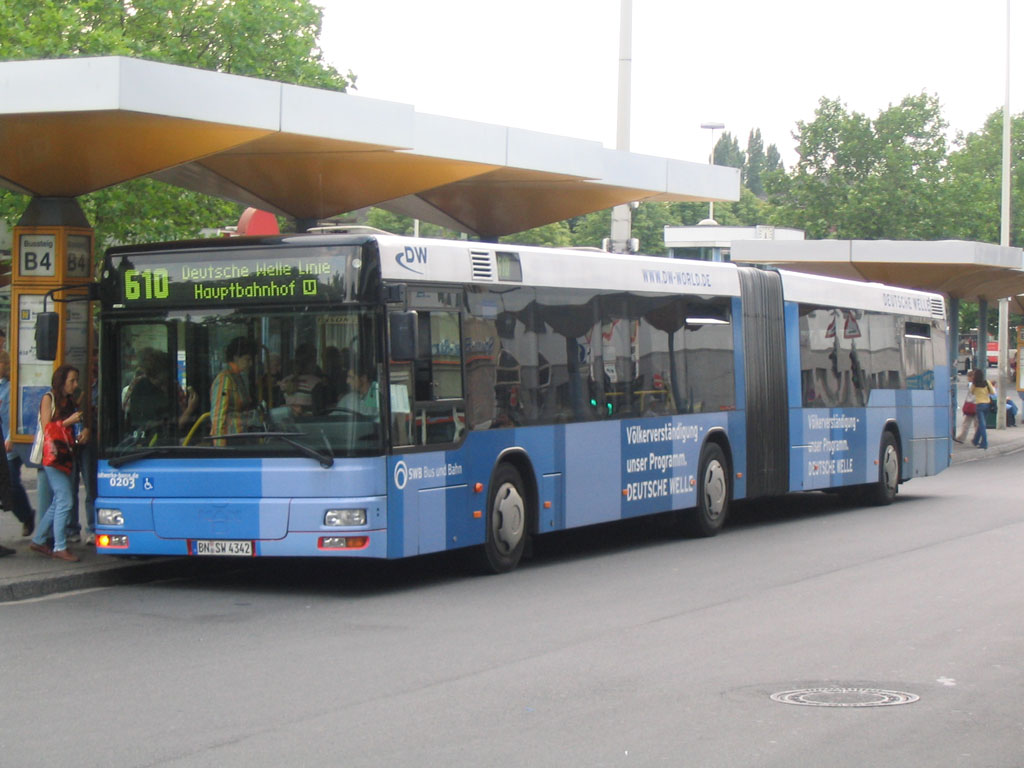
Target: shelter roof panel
(314,184)
(699,181)
(632,170)
(330,115)
(506,200)
(51,161)
(449,137)
(559,155)
(935,252)
(960,269)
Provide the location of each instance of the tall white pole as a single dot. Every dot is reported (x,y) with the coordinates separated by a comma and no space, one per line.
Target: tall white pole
(1004,240)
(622,225)
(711,160)
(625,73)
(1004,228)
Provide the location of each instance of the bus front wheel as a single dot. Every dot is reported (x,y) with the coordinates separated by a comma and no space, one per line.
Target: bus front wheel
(507,516)
(713,495)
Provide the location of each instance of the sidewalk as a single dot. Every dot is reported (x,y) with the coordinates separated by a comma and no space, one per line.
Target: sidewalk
(27,574)
(1000,441)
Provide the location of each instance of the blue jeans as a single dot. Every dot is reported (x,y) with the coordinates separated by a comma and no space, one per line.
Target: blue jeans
(55,517)
(981,436)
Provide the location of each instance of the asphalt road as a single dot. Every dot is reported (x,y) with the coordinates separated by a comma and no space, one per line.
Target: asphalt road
(615,646)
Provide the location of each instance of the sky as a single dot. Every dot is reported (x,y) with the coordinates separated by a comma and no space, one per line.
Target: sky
(552,65)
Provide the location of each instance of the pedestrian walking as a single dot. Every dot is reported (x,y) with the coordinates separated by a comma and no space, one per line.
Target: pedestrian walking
(983,392)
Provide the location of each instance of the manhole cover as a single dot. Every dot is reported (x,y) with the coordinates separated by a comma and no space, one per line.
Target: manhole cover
(838,696)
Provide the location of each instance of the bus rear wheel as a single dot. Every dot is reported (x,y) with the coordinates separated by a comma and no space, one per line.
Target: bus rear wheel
(507,518)
(884,490)
(714,492)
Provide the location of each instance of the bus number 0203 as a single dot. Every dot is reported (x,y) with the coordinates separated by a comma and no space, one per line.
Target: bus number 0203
(145,284)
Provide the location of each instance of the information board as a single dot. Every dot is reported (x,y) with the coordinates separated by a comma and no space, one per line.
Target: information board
(37,255)
(33,375)
(283,276)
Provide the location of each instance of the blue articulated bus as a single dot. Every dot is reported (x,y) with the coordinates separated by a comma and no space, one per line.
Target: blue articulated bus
(361,395)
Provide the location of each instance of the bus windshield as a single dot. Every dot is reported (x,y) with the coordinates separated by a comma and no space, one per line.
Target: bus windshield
(246,382)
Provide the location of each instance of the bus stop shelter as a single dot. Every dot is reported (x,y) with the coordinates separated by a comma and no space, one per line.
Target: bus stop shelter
(72,126)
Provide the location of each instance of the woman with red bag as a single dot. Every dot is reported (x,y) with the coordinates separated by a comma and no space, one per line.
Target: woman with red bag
(57,414)
(969,411)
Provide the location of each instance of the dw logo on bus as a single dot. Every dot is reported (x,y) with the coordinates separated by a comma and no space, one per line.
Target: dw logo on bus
(410,257)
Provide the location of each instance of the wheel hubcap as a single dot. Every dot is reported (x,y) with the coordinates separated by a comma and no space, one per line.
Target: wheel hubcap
(714,489)
(890,468)
(508,520)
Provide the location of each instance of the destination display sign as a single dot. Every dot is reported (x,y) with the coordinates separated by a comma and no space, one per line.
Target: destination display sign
(232,277)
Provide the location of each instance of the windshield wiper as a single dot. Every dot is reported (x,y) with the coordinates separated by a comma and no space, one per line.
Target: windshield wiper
(326,459)
(120,461)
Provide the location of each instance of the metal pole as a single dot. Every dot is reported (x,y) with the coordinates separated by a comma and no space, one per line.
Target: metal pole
(622,224)
(1004,240)
(711,159)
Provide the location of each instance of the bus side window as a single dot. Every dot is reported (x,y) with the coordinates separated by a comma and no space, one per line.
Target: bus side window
(400,392)
(439,411)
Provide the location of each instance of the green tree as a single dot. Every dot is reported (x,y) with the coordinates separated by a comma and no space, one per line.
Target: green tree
(590,230)
(748,211)
(397,224)
(867,179)
(755,163)
(272,39)
(974,183)
(728,152)
(554,235)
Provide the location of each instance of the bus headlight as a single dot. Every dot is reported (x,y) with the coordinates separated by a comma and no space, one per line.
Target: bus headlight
(109,517)
(337,518)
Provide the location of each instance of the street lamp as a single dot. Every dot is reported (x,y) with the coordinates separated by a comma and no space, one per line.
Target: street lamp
(711,160)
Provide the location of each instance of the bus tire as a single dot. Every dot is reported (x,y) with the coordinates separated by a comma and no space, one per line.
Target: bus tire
(506,520)
(883,491)
(714,492)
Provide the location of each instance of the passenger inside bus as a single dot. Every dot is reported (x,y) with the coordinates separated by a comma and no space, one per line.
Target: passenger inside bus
(149,399)
(269,383)
(231,402)
(336,366)
(305,390)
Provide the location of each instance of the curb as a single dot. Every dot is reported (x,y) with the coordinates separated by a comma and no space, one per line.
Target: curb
(967,453)
(117,573)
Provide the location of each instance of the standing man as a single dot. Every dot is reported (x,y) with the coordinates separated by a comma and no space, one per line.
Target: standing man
(20,504)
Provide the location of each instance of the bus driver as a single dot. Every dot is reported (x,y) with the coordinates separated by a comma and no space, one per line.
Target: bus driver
(363,396)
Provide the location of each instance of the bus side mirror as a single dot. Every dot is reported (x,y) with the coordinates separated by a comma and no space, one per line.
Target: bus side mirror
(402,330)
(47,332)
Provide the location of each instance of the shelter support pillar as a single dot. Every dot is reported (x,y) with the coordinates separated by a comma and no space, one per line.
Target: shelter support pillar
(953,355)
(1002,375)
(53,247)
(981,353)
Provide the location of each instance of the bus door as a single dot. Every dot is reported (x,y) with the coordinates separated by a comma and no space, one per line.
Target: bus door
(428,422)
(151,372)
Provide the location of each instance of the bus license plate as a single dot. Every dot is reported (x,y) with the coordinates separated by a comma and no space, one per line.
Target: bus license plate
(214,547)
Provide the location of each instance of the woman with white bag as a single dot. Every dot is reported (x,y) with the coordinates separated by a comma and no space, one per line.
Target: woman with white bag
(57,414)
